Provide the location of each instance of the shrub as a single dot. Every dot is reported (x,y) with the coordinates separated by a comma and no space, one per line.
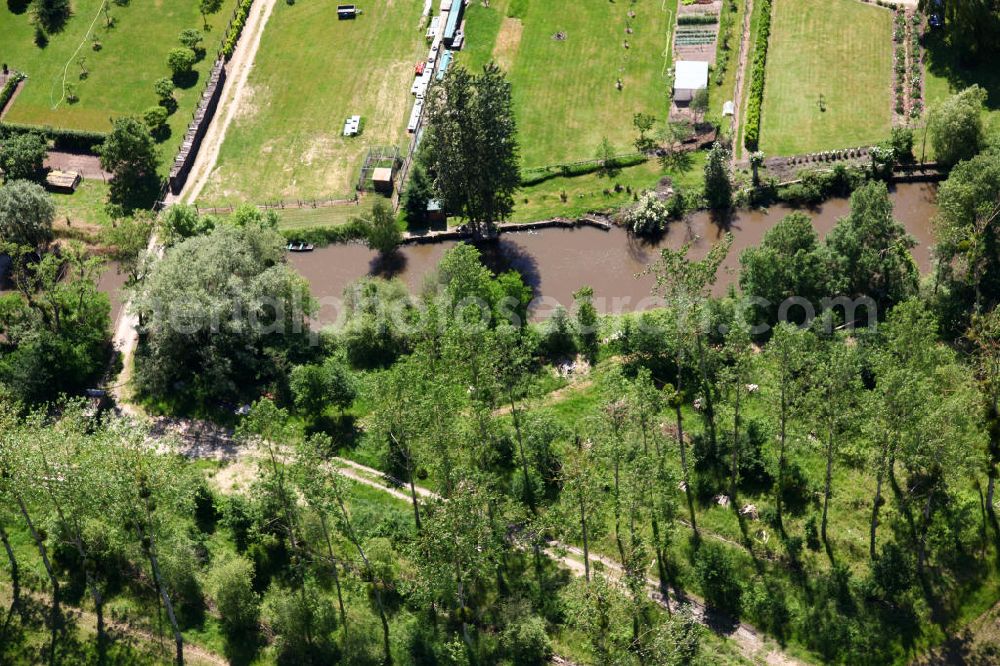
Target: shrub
(64,139)
(766,605)
(344,233)
(751,135)
(155,118)
(180,60)
(164,88)
(901,142)
(717,577)
(303,623)
(191,38)
(542,174)
(8,89)
(230,584)
(648,217)
(812,534)
(526,641)
(697,19)
(236,27)
(22,156)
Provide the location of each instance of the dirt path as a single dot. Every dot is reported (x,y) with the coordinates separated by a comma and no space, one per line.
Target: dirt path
(87,620)
(126,335)
(237,72)
(749,639)
(741,64)
(554,397)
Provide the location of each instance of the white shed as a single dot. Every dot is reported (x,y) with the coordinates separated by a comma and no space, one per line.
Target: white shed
(690,76)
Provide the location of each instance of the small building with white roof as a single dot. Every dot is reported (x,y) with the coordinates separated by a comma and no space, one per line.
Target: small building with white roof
(690,76)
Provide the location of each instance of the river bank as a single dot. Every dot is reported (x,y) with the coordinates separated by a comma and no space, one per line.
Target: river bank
(557,260)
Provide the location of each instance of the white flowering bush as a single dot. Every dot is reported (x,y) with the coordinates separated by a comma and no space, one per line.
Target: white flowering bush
(649,216)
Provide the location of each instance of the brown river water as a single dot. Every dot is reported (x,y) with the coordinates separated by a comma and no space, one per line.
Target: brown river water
(557,262)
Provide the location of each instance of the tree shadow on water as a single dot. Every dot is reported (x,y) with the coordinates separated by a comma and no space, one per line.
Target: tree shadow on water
(503,255)
(388,265)
(723,218)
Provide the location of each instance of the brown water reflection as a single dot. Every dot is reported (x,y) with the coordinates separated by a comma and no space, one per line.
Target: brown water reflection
(557,262)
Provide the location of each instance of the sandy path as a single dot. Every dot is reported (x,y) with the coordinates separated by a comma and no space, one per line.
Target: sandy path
(237,73)
(749,639)
(87,620)
(741,73)
(126,335)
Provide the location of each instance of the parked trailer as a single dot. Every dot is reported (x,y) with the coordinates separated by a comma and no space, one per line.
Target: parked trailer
(445,61)
(454,19)
(418,109)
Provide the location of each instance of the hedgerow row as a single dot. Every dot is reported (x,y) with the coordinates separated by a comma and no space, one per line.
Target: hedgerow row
(751,133)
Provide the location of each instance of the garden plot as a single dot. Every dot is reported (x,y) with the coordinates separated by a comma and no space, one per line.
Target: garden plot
(115,80)
(579,71)
(829,76)
(312,72)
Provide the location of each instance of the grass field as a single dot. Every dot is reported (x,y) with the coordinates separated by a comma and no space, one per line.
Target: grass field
(944,75)
(120,75)
(311,72)
(840,50)
(565,97)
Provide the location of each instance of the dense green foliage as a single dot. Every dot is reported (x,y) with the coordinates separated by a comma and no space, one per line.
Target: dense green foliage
(956,126)
(21,156)
(382,233)
(63,139)
(53,329)
(236,28)
(129,153)
(718,182)
(471,146)
(26,215)
(220,316)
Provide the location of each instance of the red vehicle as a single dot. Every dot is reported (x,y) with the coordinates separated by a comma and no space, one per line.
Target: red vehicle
(419,69)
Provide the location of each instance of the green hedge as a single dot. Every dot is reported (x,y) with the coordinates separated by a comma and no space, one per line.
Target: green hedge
(64,139)
(9,88)
(236,27)
(697,19)
(320,236)
(542,174)
(751,132)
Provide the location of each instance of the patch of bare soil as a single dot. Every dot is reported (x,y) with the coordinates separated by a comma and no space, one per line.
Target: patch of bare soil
(88,166)
(508,42)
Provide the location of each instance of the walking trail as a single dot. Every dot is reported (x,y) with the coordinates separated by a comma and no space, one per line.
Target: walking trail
(238,71)
(126,335)
(87,620)
(203,440)
(741,66)
(747,637)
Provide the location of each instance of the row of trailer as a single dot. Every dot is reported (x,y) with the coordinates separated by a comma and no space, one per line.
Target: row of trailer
(446,33)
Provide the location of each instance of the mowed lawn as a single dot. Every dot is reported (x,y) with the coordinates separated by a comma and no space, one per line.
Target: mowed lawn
(840,50)
(120,75)
(312,71)
(565,96)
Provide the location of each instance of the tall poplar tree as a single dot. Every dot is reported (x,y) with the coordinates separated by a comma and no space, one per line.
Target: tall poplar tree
(471,146)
